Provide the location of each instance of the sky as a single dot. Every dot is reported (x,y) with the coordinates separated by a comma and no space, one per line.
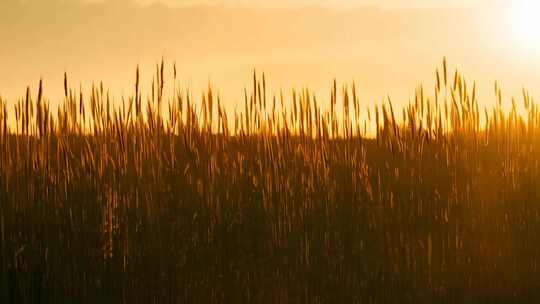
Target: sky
(334,3)
(324,3)
(387,47)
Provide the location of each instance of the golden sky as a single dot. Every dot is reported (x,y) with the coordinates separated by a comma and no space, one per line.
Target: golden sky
(386,46)
(333,3)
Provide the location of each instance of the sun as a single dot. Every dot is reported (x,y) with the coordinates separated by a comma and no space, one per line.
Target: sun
(528,24)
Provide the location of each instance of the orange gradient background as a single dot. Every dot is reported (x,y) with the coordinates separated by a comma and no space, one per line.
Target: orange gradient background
(387,47)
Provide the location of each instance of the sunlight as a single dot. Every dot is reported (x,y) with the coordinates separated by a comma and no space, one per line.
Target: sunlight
(528,24)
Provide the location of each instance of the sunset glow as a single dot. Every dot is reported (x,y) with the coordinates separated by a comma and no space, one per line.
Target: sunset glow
(528,24)
(294,42)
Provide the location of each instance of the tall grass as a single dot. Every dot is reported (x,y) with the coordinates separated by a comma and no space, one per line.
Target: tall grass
(168,199)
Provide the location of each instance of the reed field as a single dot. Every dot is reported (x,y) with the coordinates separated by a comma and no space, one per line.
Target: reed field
(292,198)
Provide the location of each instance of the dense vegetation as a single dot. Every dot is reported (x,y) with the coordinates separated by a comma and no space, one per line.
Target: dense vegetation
(167,200)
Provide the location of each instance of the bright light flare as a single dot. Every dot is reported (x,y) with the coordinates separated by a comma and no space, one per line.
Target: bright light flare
(528,24)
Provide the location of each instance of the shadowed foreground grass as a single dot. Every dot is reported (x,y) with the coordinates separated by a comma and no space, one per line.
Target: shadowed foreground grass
(173,201)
